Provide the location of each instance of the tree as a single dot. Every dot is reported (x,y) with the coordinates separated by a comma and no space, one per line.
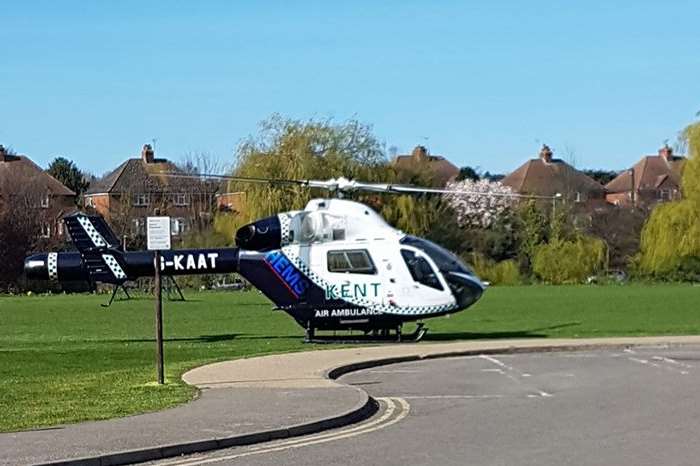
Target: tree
(569,261)
(67,172)
(468,173)
(601,176)
(533,231)
(670,244)
(293,149)
(20,224)
(493,176)
(479,203)
(621,230)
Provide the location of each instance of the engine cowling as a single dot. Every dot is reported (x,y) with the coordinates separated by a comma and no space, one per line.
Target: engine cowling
(262,235)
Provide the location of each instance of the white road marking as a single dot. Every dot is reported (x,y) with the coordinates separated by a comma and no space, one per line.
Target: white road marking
(646,362)
(397,371)
(496,362)
(451,397)
(579,355)
(671,364)
(672,361)
(385,420)
(509,372)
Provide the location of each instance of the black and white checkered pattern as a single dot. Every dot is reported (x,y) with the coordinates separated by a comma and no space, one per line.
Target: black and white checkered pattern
(52,265)
(94,235)
(285,227)
(397,310)
(114,266)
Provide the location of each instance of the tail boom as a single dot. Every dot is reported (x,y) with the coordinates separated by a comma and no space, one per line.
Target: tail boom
(117,266)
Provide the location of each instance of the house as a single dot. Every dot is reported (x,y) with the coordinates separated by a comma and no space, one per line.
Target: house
(441,169)
(139,188)
(231,202)
(655,178)
(23,181)
(547,176)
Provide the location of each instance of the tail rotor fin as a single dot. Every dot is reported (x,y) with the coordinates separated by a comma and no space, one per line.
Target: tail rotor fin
(90,233)
(99,247)
(106,267)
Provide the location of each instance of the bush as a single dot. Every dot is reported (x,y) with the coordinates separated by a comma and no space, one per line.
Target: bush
(505,272)
(561,261)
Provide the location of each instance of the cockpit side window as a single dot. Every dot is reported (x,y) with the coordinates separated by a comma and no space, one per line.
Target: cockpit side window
(351,261)
(443,259)
(420,269)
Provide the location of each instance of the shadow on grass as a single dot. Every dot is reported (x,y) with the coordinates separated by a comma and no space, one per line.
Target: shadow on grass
(532,333)
(205,338)
(447,336)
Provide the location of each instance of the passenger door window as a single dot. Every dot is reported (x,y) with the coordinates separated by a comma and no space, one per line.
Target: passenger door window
(351,261)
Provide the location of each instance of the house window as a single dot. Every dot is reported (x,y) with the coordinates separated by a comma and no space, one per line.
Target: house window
(45,200)
(180,199)
(89,201)
(351,261)
(420,269)
(45,230)
(178,226)
(142,199)
(138,226)
(664,194)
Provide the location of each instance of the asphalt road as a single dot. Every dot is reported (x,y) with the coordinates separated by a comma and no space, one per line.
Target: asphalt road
(638,407)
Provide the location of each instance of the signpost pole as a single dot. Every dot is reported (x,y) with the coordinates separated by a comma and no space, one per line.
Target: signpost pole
(158,239)
(159,318)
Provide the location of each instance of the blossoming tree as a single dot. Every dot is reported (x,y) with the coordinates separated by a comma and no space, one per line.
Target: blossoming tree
(479,203)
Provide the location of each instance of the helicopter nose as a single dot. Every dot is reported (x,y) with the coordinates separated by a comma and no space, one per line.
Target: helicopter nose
(36,267)
(469,286)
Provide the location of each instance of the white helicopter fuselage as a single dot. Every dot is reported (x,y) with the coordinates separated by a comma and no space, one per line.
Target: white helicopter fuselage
(363,266)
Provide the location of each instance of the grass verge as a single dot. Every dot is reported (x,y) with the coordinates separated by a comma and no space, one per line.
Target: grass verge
(65,359)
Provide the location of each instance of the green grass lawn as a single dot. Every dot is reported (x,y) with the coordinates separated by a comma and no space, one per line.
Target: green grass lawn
(65,359)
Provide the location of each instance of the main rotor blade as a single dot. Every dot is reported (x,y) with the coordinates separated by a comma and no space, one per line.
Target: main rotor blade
(340,184)
(403,189)
(242,179)
(345,185)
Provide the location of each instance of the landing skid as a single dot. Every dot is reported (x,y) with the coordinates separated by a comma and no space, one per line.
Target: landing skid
(374,336)
(115,289)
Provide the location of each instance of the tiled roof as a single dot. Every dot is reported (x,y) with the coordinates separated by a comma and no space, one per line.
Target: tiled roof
(539,177)
(136,175)
(650,173)
(443,170)
(20,169)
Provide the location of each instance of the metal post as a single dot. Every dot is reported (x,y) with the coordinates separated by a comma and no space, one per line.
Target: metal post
(159,318)
(633,193)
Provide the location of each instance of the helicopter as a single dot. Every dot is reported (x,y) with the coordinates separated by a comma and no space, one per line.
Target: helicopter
(335,265)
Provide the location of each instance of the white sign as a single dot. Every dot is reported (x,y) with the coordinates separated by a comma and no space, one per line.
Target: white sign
(158,233)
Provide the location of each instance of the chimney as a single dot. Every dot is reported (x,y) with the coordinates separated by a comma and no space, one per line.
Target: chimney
(666,152)
(546,154)
(419,153)
(147,154)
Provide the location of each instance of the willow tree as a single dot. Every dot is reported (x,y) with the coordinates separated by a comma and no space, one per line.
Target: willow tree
(292,150)
(671,237)
(569,261)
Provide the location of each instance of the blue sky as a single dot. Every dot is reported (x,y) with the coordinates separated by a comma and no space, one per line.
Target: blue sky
(483,83)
